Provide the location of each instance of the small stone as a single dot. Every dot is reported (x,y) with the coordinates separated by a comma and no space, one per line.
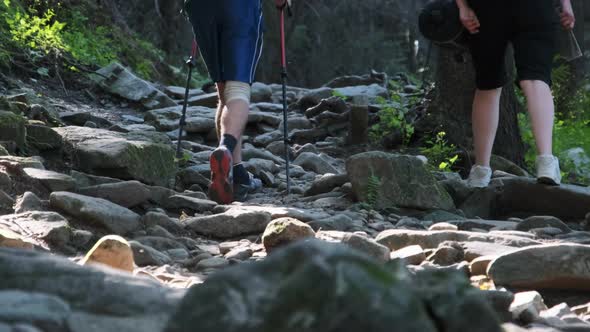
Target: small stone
(147,256)
(6,202)
(81,238)
(542,222)
(113,251)
(160,231)
(527,306)
(53,181)
(361,243)
(28,202)
(283,231)
(479,266)
(190,203)
(410,223)
(447,254)
(177,254)
(126,193)
(232,223)
(50,227)
(443,226)
(239,253)
(313,162)
(5,181)
(10,239)
(412,255)
(559,310)
(212,263)
(152,218)
(114,218)
(226,247)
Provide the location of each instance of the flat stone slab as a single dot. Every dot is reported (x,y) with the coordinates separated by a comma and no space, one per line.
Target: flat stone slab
(557,266)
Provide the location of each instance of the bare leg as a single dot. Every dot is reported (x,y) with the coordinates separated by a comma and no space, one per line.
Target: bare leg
(542,113)
(231,118)
(485,117)
(220,107)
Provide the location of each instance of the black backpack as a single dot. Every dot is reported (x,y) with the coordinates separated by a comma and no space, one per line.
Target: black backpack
(439,22)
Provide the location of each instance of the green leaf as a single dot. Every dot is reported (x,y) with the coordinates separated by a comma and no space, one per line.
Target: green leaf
(43,71)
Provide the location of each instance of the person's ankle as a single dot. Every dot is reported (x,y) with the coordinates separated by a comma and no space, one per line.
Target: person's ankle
(481,165)
(229,142)
(241,175)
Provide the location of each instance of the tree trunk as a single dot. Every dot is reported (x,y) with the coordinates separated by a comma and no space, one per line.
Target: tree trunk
(450,110)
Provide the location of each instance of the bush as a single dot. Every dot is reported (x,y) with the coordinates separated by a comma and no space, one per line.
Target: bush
(441,155)
(393,117)
(45,34)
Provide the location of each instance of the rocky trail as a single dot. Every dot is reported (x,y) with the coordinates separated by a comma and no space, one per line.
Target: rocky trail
(101,229)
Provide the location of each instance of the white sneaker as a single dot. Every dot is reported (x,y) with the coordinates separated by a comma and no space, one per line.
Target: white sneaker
(479,176)
(548,170)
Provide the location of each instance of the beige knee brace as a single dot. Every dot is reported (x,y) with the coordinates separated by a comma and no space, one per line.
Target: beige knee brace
(236,91)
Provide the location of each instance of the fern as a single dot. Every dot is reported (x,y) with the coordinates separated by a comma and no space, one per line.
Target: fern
(373,184)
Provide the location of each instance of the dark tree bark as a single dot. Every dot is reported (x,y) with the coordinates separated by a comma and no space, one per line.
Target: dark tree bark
(450,110)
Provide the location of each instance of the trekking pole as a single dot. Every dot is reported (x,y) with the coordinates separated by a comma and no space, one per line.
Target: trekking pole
(191,64)
(281,6)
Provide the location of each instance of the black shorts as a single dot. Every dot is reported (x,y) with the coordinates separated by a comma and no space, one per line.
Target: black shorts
(530,25)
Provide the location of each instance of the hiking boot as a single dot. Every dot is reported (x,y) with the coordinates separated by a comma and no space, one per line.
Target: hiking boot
(548,170)
(221,187)
(479,176)
(241,191)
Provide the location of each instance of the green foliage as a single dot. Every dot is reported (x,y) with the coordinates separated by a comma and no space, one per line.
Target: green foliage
(373,184)
(336,93)
(71,37)
(35,32)
(90,46)
(570,101)
(441,155)
(393,117)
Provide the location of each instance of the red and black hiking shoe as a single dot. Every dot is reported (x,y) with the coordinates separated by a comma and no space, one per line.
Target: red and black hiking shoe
(221,189)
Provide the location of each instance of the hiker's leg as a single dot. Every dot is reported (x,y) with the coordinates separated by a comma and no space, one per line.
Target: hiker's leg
(234,116)
(485,116)
(241,46)
(535,45)
(542,113)
(220,107)
(488,49)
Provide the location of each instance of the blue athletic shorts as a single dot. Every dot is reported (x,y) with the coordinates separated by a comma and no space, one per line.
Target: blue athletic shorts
(229,35)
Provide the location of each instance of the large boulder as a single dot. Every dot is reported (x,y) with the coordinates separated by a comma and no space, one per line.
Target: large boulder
(114,218)
(128,156)
(313,286)
(566,202)
(12,128)
(110,297)
(557,266)
(395,180)
(119,81)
